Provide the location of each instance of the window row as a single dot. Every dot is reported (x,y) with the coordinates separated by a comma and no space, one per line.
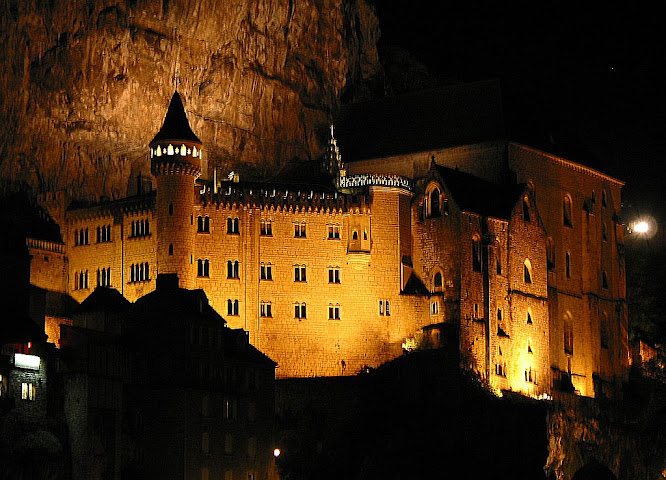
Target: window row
(300,309)
(104,234)
(81,237)
(139,272)
(81,280)
(265,271)
(104,277)
(266,228)
(140,228)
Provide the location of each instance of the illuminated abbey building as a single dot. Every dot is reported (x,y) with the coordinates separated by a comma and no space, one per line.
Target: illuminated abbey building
(517,251)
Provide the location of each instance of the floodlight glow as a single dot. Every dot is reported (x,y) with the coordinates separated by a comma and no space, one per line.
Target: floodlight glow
(641,227)
(276,452)
(26,361)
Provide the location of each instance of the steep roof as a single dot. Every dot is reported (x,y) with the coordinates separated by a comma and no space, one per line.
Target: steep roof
(443,117)
(475,195)
(104,299)
(176,126)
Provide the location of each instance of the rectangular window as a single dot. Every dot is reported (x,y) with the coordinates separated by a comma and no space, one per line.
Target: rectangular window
(333,232)
(434,308)
(232,307)
(233,269)
(567,265)
(266,228)
(139,272)
(266,271)
(299,273)
(104,234)
(203,224)
(334,312)
(333,275)
(233,226)
(265,309)
(299,230)
(300,310)
(381,307)
(388,308)
(28,391)
(203,268)
(229,408)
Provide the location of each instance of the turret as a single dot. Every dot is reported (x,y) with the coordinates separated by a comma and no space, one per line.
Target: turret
(175,159)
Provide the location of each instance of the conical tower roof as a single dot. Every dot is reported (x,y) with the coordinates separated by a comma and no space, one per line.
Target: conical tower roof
(176,126)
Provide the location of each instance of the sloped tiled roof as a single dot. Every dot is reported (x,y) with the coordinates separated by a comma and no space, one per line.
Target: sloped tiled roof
(104,299)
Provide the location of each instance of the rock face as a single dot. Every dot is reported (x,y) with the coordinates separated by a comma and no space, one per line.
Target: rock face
(85,84)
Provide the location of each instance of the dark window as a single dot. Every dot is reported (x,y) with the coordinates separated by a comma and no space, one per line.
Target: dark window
(526,210)
(334,312)
(300,310)
(434,203)
(604,280)
(232,269)
(233,226)
(203,268)
(476,255)
(527,271)
(267,228)
(568,336)
(333,275)
(566,212)
(438,280)
(567,265)
(171,249)
(550,254)
(171,209)
(203,224)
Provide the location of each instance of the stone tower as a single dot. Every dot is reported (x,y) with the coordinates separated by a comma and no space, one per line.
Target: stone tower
(175,158)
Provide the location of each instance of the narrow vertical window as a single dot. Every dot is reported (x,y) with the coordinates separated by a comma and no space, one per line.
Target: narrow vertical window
(567,265)
(566,211)
(526,210)
(527,271)
(476,254)
(171,249)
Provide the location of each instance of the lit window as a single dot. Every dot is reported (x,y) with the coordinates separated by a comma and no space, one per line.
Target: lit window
(266,228)
(265,309)
(334,312)
(299,273)
(300,310)
(333,232)
(333,275)
(28,391)
(527,271)
(266,271)
(299,230)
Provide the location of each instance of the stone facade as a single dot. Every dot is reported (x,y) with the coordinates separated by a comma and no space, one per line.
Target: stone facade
(328,281)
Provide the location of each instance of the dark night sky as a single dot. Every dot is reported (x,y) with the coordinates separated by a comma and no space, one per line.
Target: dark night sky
(584,84)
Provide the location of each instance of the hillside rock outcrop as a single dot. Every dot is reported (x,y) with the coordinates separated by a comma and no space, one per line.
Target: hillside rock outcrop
(86,83)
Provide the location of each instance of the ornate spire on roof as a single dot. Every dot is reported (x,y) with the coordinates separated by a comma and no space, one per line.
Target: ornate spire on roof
(176,126)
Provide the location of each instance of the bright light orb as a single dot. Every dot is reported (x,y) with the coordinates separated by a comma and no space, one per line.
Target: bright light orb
(641,227)
(276,452)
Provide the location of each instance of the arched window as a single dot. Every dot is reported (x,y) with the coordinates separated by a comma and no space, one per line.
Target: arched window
(527,271)
(498,260)
(355,235)
(438,280)
(529,317)
(566,211)
(434,203)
